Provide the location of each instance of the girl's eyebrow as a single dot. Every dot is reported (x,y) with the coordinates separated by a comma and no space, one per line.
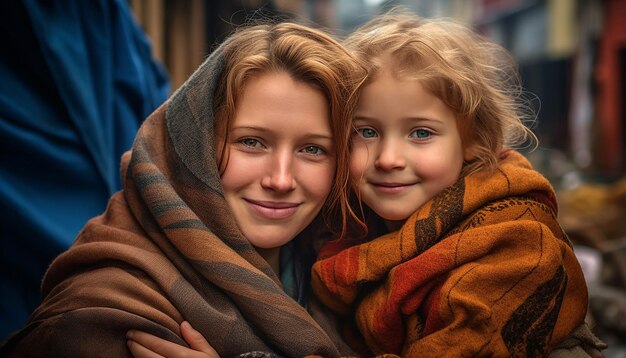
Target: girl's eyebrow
(409,118)
(424,119)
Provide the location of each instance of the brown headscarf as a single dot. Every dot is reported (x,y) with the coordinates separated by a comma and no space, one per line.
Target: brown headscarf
(167,249)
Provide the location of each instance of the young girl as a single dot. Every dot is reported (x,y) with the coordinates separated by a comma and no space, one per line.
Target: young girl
(475,263)
(211,226)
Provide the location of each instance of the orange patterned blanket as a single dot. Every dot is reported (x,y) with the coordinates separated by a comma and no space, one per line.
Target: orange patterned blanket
(483,269)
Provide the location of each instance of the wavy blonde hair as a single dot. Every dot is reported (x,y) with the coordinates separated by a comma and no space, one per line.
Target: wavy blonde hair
(310,56)
(475,77)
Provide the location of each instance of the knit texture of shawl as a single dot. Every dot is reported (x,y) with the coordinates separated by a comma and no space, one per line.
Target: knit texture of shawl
(167,249)
(483,269)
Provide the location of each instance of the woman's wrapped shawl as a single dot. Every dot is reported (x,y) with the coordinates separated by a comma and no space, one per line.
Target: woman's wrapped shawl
(483,269)
(167,249)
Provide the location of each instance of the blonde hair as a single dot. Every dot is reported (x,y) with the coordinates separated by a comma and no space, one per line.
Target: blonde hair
(476,78)
(307,55)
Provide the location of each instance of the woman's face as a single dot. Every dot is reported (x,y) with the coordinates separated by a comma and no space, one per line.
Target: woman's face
(280,159)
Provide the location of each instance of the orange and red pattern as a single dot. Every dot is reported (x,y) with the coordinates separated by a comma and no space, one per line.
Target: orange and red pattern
(483,269)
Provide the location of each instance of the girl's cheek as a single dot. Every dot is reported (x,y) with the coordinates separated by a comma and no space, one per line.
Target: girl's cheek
(358,163)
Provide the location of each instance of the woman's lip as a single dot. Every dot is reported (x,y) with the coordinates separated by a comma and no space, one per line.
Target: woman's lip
(273,210)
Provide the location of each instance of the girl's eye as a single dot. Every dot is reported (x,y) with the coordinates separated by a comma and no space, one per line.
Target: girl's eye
(251,142)
(313,149)
(421,134)
(367,132)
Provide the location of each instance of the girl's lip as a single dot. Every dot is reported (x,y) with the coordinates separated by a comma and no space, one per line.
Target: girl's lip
(273,210)
(390,188)
(390,184)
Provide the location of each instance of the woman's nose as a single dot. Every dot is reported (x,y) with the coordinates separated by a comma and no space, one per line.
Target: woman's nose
(279,176)
(389,156)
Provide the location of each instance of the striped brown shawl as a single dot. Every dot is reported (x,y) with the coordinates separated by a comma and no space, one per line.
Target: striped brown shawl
(483,269)
(167,249)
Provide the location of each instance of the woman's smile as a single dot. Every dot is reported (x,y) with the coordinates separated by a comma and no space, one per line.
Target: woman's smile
(273,210)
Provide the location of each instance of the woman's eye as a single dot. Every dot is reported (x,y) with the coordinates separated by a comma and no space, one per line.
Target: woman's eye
(313,149)
(421,133)
(367,132)
(251,142)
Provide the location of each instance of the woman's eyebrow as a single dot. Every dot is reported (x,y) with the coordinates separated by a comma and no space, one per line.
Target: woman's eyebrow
(263,129)
(256,128)
(320,136)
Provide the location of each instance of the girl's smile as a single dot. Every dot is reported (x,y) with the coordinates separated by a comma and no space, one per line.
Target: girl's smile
(391,188)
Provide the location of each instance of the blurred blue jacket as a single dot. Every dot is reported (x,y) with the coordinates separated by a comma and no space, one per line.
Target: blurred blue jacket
(76,80)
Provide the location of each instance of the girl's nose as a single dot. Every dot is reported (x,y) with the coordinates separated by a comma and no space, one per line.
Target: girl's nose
(389,156)
(279,176)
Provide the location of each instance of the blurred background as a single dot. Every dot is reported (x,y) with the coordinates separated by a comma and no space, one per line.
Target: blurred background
(78,77)
(571,56)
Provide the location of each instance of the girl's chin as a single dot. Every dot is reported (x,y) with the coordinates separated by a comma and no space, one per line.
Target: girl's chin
(394,215)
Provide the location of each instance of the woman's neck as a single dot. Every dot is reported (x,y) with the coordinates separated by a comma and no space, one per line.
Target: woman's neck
(272,256)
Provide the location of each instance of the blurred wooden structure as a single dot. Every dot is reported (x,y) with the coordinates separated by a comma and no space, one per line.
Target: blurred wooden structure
(183,32)
(178,33)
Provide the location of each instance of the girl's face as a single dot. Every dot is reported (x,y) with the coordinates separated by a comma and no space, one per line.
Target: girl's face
(406,148)
(280,159)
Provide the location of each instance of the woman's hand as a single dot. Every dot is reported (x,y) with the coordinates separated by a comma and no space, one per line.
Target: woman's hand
(146,345)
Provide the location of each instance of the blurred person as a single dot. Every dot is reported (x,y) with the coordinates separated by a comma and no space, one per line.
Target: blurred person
(76,80)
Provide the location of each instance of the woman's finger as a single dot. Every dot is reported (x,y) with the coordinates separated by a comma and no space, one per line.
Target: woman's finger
(196,341)
(139,351)
(160,346)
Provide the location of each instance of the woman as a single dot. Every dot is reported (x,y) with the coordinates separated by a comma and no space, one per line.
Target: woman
(233,166)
